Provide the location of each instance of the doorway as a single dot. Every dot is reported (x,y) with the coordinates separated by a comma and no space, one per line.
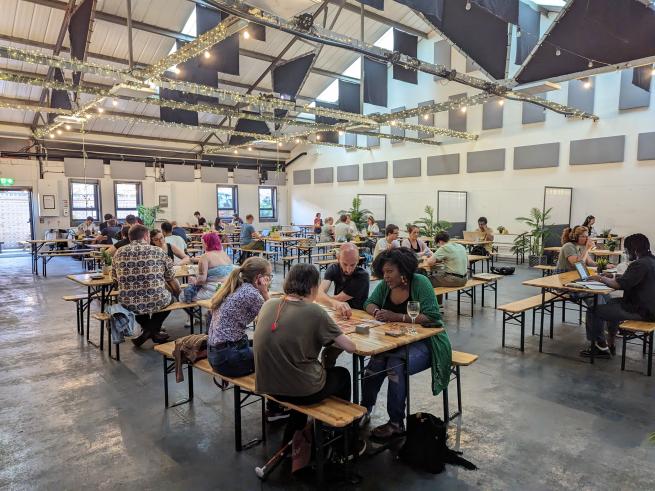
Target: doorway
(15,218)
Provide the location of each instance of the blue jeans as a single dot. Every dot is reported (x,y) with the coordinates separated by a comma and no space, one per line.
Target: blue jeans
(233,360)
(392,365)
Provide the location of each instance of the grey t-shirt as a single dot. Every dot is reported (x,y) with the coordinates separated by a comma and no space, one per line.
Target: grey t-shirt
(568,249)
(286,358)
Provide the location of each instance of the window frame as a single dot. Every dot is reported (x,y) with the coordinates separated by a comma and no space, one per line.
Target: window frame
(274,218)
(235,200)
(98,199)
(139,195)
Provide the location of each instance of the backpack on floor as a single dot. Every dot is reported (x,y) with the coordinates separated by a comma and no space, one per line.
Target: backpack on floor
(425,446)
(504,270)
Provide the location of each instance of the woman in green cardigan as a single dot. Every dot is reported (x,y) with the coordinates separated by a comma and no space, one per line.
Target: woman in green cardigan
(388,303)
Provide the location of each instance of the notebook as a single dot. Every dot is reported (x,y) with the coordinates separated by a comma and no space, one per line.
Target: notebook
(583,281)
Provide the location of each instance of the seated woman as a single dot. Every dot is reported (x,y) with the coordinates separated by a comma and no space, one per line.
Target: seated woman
(575,248)
(214,266)
(327,231)
(157,239)
(388,303)
(414,243)
(589,223)
(290,333)
(371,226)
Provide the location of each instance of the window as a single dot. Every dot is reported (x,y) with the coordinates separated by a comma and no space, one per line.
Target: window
(267,204)
(85,200)
(127,197)
(227,199)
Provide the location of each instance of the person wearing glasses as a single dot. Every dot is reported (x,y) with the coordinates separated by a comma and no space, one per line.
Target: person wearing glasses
(175,253)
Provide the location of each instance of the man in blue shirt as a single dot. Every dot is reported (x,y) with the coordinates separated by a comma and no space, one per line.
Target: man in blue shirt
(179,231)
(250,239)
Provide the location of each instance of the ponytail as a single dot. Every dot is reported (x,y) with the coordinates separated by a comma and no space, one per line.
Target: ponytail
(565,235)
(572,234)
(247,273)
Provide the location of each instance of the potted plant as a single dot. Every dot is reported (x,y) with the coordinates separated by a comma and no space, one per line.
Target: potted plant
(428,226)
(357,214)
(607,232)
(601,264)
(106,262)
(611,245)
(502,230)
(536,223)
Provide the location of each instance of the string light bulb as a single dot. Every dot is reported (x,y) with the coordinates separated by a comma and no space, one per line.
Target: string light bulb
(518,32)
(463,109)
(250,149)
(468,6)
(587,84)
(341,133)
(68,127)
(176,70)
(318,138)
(101,110)
(590,64)
(236,152)
(279,144)
(59,132)
(501,102)
(426,117)
(246,35)
(114,102)
(207,54)
(558,52)
(297,140)
(51,135)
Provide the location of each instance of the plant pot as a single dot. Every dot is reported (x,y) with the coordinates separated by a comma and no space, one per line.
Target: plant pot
(537,260)
(106,270)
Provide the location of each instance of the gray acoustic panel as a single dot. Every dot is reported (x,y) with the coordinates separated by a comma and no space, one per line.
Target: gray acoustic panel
(129,171)
(348,173)
(407,167)
(533,113)
(302,177)
(426,120)
(485,160)
(471,66)
(646,146)
(350,139)
(492,114)
(324,175)
(176,172)
(372,141)
(395,131)
(245,176)
(91,168)
(376,170)
(597,150)
(631,96)
(442,55)
(214,174)
(440,165)
(457,118)
(536,156)
(274,178)
(581,94)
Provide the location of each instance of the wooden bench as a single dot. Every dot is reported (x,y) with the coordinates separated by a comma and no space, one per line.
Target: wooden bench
(332,412)
(254,252)
(459,359)
(325,263)
(490,282)
(468,289)
(474,259)
(545,269)
(514,314)
(638,330)
(46,256)
(82,304)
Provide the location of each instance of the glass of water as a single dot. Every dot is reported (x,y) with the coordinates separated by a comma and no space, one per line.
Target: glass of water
(413,310)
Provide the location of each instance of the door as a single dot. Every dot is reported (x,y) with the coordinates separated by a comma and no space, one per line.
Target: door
(15,217)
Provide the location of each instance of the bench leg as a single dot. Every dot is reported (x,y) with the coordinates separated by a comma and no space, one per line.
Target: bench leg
(552,318)
(320,453)
(165,382)
(168,368)
(446,409)
(118,352)
(623,350)
(459,390)
(237,419)
(102,337)
(523,331)
(649,369)
(504,322)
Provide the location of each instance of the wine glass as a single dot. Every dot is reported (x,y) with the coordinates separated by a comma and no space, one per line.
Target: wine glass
(413,310)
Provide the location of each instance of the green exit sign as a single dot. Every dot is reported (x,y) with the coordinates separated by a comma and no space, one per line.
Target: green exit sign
(6,181)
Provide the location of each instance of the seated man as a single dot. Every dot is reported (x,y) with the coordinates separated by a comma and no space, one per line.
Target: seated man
(145,278)
(87,227)
(109,232)
(389,242)
(124,234)
(179,231)
(174,240)
(105,224)
(351,282)
(250,239)
(454,258)
(485,234)
(637,303)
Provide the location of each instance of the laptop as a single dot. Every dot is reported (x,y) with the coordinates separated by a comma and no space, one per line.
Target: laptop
(265,233)
(471,236)
(583,281)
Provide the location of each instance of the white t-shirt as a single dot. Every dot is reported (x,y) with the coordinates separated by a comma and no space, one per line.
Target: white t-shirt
(341,229)
(353,228)
(177,241)
(382,245)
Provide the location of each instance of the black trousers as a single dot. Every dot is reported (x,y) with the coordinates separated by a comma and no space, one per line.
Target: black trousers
(151,323)
(337,383)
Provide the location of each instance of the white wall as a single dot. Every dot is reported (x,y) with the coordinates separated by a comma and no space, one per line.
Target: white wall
(620,195)
(184,198)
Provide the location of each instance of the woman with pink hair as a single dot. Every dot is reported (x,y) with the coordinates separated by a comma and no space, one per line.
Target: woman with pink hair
(214,266)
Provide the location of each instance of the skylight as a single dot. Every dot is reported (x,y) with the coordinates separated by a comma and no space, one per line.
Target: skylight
(190,29)
(550,3)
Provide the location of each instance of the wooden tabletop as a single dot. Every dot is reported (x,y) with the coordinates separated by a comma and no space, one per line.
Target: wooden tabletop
(471,242)
(605,252)
(553,249)
(86,280)
(559,281)
(45,241)
(99,246)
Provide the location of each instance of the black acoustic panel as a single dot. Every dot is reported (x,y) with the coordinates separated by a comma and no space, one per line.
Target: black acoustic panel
(250,126)
(485,161)
(376,4)
(288,76)
(487,47)
(395,130)
(302,177)
(457,118)
(376,170)
(195,72)
(349,99)
(257,31)
(529,24)
(375,82)
(614,31)
(348,173)
(328,136)
(206,19)
(536,156)
(224,55)
(428,7)
(326,119)
(646,146)
(178,115)
(78,33)
(508,10)
(406,44)
(581,94)
(532,113)
(553,239)
(642,76)
(407,168)
(324,175)
(492,114)
(631,96)
(457,229)
(58,98)
(597,150)
(441,165)
(426,120)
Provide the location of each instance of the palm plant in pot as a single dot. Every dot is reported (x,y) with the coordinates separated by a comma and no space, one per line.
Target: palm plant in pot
(428,226)
(106,262)
(538,231)
(357,214)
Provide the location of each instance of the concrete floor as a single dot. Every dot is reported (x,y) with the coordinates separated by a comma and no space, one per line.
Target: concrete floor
(71,418)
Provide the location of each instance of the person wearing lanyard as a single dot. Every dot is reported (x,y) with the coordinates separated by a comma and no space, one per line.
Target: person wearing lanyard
(290,333)
(454,258)
(388,303)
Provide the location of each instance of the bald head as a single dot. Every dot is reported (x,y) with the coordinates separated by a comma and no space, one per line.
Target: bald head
(348,258)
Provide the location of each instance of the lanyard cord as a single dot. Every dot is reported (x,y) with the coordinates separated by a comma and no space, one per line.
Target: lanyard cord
(274,326)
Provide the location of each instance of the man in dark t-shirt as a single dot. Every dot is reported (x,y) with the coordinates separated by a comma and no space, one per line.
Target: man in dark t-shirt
(351,282)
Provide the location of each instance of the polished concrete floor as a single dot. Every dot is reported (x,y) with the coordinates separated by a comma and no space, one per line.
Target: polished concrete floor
(71,418)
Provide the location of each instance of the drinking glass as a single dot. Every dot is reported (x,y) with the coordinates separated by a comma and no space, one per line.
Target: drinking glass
(413,310)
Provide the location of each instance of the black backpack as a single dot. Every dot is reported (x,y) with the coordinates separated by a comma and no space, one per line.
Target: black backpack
(479,250)
(425,446)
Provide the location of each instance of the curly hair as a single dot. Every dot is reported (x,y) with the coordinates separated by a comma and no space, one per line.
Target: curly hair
(401,257)
(637,243)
